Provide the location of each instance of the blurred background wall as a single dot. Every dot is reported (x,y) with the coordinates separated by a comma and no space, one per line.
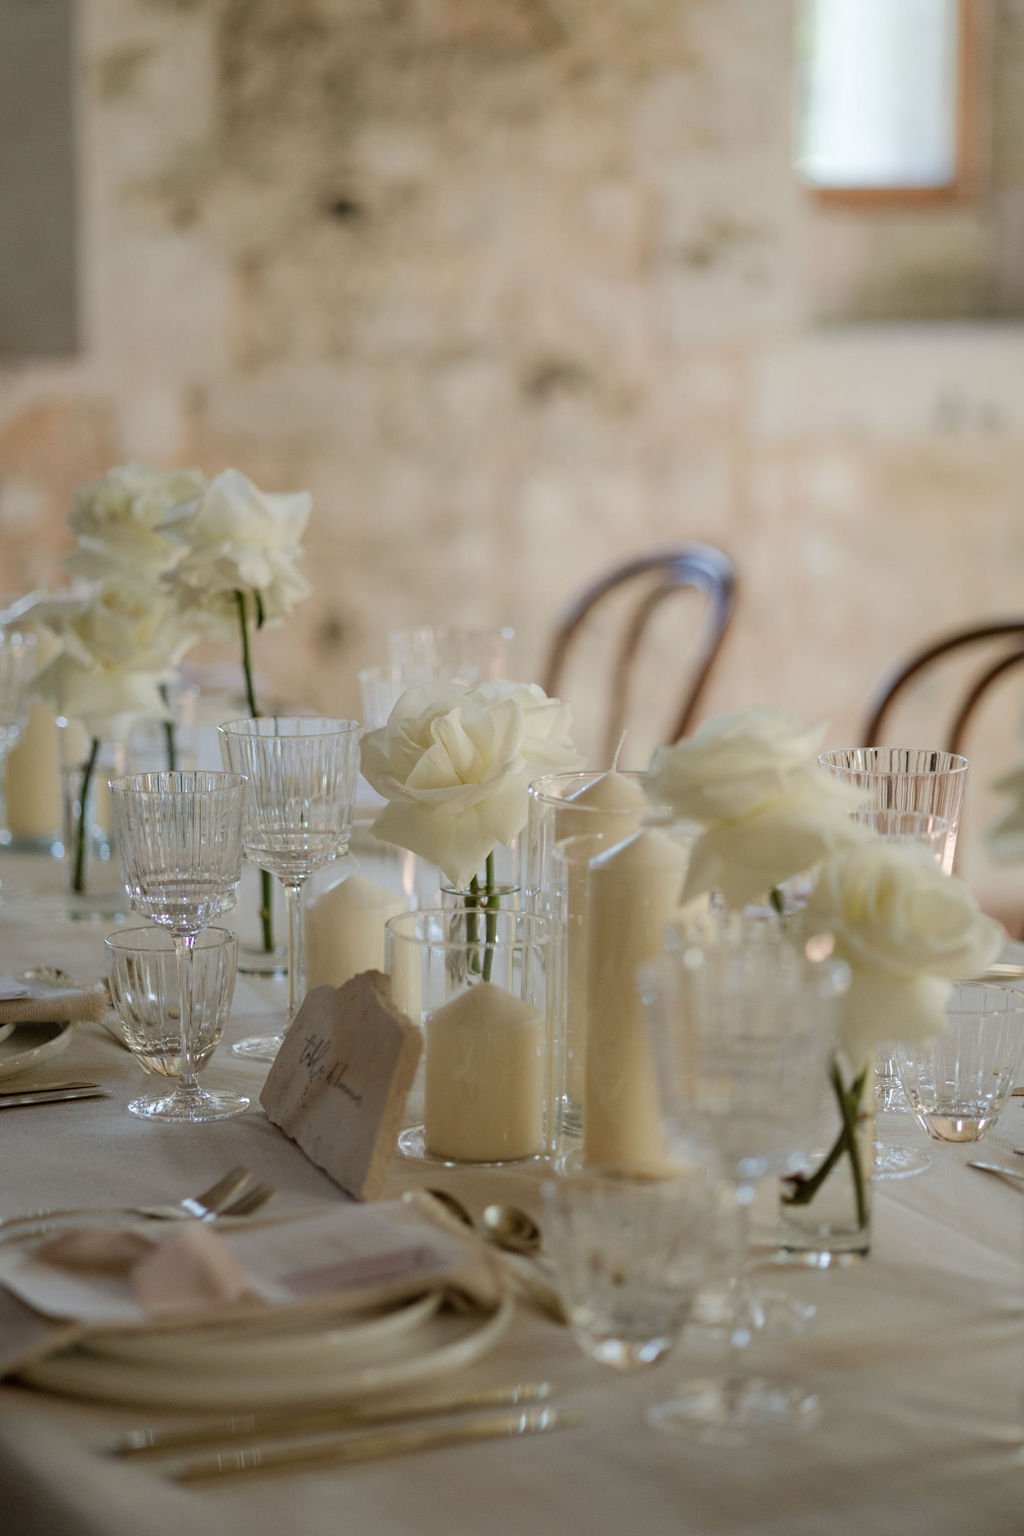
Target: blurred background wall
(518,289)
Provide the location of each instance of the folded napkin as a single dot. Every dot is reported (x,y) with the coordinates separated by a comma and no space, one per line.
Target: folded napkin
(38,1002)
(342,1259)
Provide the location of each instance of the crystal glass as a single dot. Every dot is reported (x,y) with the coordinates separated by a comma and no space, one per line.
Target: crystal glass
(477,983)
(449,653)
(957,1083)
(911,794)
(743,1022)
(143,978)
(180,836)
(630,1253)
(302,772)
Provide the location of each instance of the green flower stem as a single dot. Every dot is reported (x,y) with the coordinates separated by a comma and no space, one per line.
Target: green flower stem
(78,869)
(488,899)
(803,1187)
(266,886)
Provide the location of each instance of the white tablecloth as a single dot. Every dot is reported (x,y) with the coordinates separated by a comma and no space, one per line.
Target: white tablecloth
(917,1352)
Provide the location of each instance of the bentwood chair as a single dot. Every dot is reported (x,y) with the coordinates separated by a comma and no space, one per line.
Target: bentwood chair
(1005,638)
(631,596)
(958,672)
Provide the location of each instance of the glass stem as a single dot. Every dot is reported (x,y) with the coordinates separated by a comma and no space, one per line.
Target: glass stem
(296,948)
(184,944)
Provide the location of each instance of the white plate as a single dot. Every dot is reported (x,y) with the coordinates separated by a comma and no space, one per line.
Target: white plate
(29,1044)
(445,1342)
(245,1348)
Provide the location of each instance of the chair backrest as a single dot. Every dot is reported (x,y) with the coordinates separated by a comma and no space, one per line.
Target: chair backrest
(1009,634)
(653,578)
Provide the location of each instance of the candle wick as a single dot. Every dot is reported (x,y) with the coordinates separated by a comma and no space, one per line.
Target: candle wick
(618,751)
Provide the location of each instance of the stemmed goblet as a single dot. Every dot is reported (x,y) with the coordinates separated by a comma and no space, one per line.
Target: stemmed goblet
(302,772)
(911,794)
(180,836)
(743,1018)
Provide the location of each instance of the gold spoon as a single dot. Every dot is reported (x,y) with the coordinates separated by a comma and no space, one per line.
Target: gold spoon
(506,1226)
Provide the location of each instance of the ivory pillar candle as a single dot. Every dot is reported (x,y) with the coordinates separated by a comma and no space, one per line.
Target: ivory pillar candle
(345,930)
(484,1077)
(633,892)
(610,806)
(32,770)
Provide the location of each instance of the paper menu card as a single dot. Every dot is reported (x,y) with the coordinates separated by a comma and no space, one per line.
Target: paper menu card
(341,1078)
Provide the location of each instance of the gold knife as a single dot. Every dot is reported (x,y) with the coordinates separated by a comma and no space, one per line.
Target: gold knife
(54,1096)
(370,1446)
(273,1424)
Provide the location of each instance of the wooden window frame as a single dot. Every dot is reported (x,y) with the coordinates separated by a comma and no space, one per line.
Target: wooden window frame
(966,179)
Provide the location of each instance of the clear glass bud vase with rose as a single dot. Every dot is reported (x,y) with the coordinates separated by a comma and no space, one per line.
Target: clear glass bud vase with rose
(454,764)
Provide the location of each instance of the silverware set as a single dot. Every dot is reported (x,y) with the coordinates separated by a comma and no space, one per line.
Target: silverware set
(233,1195)
(347,1434)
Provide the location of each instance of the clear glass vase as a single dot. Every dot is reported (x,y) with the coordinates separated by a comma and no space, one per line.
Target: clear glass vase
(93,879)
(825,1209)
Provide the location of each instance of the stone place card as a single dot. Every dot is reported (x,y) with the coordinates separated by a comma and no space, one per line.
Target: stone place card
(340,1080)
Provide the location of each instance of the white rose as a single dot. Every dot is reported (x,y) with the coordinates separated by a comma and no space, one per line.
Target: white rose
(733,764)
(453,774)
(118,643)
(117,520)
(106,699)
(547,745)
(907,931)
(241,539)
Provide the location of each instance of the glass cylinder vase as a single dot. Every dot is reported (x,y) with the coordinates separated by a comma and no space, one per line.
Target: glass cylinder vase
(825,1210)
(476,983)
(93,879)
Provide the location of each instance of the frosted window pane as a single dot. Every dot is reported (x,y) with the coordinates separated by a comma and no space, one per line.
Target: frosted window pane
(878,93)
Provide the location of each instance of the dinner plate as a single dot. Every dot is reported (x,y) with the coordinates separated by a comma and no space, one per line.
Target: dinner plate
(249,1349)
(29,1044)
(445,1341)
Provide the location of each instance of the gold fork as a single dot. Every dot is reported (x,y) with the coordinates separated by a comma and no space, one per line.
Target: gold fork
(202,1207)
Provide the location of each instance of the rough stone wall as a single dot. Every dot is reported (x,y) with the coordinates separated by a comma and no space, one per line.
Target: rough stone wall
(517,289)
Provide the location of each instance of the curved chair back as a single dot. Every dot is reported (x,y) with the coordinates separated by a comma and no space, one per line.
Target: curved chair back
(654,578)
(1010,635)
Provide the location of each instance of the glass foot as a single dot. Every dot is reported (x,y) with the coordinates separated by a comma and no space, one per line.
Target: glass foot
(412,1143)
(733,1410)
(259,1047)
(892,1162)
(253,961)
(190,1108)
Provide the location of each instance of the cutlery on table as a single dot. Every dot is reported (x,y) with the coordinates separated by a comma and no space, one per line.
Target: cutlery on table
(506,1425)
(202,1207)
(1008,1174)
(58,1095)
(275,1424)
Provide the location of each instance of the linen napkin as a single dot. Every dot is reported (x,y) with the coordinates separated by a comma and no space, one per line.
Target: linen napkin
(38,1002)
(329,1262)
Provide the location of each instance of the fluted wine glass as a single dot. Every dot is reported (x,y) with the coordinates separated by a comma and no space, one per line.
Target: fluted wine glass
(302,772)
(743,1018)
(180,837)
(911,794)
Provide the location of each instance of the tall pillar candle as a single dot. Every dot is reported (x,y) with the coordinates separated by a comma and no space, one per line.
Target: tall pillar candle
(633,893)
(484,1077)
(32,772)
(611,806)
(345,930)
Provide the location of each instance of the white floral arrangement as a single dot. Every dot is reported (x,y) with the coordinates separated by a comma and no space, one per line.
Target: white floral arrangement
(162,559)
(454,764)
(768,813)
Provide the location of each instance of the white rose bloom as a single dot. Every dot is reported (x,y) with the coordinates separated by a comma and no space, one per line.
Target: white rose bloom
(767,811)
(117,520)
(119,642)
(240,539)
(453,773)
(733,764)
(547,745)
(907,931)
